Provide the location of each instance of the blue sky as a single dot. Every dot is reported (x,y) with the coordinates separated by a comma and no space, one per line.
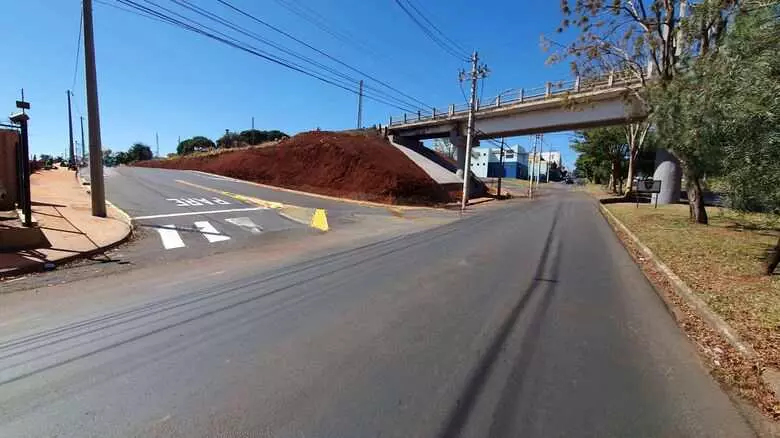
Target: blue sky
(155,78)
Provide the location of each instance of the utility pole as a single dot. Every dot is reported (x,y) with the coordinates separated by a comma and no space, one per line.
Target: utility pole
(541,151)
(500,167)
(157,143)
(548,165)
(531,168)
(72,160)
(360,106)
(83,154)
(93,114)
(477,72)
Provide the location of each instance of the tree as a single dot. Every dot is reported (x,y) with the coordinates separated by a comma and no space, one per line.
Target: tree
(121,158)
(195,144)
(229,140)
(139,152)
(444,147)
(603,154)
(254,136)
(643,39)
(108,157)
(720,114)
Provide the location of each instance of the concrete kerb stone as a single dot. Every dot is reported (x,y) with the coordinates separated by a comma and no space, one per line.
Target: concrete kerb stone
(685,292)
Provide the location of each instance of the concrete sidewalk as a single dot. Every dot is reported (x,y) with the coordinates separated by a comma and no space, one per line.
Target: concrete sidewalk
(62,208)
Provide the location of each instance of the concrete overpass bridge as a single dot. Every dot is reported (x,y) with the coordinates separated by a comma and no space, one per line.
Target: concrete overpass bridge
(559,106)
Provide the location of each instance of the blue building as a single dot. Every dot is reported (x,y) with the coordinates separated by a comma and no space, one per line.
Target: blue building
(486,163)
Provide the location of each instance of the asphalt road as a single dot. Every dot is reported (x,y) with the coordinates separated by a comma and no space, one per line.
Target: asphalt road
(527,319)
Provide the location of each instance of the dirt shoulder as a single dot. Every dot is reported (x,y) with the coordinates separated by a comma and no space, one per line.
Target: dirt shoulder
(722,264)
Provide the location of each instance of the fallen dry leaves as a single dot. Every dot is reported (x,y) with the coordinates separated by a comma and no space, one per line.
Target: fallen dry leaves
(721,264)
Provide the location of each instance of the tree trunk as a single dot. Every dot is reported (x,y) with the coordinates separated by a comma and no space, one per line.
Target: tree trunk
(630,178)
(774,258)
(696,201)
(614,178)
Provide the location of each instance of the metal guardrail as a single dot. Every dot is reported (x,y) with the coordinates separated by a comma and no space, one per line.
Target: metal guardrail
(519,95)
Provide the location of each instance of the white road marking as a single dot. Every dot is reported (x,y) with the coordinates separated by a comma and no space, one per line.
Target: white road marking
(197,202)
(246,223)
(193,213)
(210,233)
(170,237)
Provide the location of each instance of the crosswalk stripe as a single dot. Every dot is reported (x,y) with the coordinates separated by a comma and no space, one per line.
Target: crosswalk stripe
(170,237)
(209,232)
(246,223)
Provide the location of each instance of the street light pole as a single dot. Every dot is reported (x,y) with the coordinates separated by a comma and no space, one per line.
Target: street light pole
(93,114)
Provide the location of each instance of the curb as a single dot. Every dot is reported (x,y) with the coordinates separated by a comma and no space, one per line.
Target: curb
(40,266)
(683,291)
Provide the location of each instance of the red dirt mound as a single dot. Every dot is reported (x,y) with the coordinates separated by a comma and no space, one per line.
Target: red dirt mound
(352,166)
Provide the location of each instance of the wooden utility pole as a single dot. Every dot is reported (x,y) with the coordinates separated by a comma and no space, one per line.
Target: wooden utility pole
(477,72)
(360,106)
(83,152)
(72,158)
(500,168)
(93,115)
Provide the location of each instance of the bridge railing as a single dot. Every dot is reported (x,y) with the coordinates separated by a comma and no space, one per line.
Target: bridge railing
(520,95)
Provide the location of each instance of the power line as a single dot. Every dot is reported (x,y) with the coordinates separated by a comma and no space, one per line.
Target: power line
(212,16)
(444,36)
(332,58)
(441,43)
(308,14)
(78,50)
(199,28)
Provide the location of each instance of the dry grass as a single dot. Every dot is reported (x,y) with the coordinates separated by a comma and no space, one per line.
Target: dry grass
(722,262)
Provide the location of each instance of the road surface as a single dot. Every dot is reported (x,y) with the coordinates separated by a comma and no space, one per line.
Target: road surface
(526,319)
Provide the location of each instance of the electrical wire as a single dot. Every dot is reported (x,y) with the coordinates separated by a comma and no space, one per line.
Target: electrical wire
(210,15)
(436,28)
(78,50)
(447,48)
(308,14)
(208,32)
(325,54)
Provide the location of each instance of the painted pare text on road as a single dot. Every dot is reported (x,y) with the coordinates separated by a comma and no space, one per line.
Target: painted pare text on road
(197,202)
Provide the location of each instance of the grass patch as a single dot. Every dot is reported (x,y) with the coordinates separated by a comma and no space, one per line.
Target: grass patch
(722,262)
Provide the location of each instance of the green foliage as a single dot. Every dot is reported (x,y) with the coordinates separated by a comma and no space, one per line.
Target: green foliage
(139,152)
(722,116)
(603,155)
(229,140)
(254,136)
(195,144)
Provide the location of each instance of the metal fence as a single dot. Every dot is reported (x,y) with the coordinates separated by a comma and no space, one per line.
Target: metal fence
(550,90)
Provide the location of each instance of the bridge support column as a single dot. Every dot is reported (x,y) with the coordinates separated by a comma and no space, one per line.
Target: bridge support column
(459,143)
(668,170)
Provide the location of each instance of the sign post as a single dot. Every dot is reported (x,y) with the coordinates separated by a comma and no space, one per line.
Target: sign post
(648,185)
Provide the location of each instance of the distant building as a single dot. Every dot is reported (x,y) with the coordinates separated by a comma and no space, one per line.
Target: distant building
(540,162)
(486,162)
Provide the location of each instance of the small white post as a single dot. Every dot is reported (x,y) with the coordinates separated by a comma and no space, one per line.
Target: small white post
(577,84)
(452,109)
(498,100)
(611,79)
(522,95)
(548,90)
